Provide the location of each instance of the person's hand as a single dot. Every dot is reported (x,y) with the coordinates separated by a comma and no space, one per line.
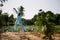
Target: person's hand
(14,8)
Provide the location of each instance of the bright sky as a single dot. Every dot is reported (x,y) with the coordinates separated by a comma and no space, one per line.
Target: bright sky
(31,6)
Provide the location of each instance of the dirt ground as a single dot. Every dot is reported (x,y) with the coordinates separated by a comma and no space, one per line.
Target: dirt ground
(24,36)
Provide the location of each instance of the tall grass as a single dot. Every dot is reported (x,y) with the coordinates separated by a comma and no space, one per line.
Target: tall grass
(10,28)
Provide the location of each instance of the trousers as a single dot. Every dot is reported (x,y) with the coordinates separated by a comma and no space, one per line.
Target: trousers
(19,22)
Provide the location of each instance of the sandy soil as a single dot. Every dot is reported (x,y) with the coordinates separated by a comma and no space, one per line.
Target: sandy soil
(23,36)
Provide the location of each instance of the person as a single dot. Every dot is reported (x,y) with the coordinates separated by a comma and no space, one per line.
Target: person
(18,21)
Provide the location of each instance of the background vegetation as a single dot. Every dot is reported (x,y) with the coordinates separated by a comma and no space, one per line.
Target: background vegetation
(47,23)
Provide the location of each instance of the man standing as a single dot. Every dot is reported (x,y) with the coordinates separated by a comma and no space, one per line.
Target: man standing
(18,20)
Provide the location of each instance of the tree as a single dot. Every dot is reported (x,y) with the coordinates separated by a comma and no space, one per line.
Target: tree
(11,20)
(5,19)
(2,1)
(40,20)
(45,23)
(21,9)
(57,21)
(50,25)
(1,22)
(33,20)
(0,12)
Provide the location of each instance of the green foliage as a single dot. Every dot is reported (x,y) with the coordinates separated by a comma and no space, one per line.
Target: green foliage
(28,22)
(46,23)
(6,20)
(11,20)
(8,28)
(0,12)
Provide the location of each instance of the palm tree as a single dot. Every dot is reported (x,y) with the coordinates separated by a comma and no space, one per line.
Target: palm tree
(21,9)
(2,1)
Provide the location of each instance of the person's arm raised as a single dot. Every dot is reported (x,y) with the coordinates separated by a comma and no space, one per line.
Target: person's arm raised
(15,10)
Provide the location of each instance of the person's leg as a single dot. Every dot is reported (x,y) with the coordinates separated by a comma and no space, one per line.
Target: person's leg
(22,27)
(15,26)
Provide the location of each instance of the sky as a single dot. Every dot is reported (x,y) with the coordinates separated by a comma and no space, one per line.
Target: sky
(31,7)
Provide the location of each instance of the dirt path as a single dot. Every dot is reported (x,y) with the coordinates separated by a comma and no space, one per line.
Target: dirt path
(20,36)
(23,36)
